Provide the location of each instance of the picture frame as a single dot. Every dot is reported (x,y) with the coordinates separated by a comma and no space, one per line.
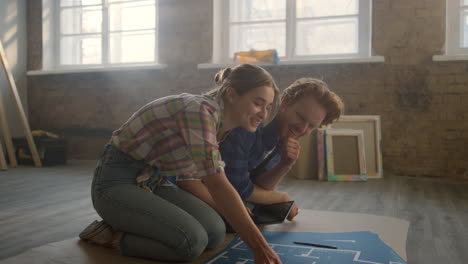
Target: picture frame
(311,162)
(371,126)
(305,167)
(320,156)
(345,155)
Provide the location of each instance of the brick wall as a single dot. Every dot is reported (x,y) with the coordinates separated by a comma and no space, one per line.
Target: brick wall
(422,103)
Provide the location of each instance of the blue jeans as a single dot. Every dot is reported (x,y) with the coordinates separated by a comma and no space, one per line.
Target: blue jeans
(167,224)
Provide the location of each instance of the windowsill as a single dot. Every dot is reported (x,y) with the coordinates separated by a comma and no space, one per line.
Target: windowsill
(449,57)
(373,59)
(96,69)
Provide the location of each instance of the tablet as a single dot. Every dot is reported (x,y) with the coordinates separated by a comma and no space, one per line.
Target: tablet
(266,214)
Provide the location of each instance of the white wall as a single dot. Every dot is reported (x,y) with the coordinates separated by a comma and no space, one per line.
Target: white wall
(13,34)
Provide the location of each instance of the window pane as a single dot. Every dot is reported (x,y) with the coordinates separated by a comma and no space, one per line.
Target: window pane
(465,31)
(80,50)
(331,36)
(132,15)
(255,10)
(465,2)
(128,47)
(317,8)
(79,2)
(258,37)
(81,20)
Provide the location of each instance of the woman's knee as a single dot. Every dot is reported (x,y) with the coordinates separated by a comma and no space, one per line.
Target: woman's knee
(199,239)
(195,242)
(216,233)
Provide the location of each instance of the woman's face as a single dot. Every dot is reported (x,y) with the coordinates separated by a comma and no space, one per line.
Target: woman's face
(300,118)
(252,107)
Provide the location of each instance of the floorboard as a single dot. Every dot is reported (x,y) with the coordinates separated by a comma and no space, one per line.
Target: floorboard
(43,205)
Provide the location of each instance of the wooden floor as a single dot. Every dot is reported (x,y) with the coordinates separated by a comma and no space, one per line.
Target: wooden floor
(39,206)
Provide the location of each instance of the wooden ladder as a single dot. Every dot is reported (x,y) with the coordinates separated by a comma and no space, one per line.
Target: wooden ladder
(23,119)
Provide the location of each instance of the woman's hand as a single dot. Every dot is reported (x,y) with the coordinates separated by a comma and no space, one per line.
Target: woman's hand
(266,256)
(229,204)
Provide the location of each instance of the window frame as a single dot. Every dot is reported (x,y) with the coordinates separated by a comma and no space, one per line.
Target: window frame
(221,26)
(453,28)
(105,40)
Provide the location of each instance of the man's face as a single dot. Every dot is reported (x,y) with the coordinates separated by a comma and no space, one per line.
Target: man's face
(299,118)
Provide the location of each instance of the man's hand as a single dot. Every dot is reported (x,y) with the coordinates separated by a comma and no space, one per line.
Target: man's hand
(249,211)
(294,211)
(290,151)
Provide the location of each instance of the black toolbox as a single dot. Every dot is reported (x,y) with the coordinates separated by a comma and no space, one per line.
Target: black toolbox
(52,151)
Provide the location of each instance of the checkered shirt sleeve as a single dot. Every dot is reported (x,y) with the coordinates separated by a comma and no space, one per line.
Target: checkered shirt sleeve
(177,134)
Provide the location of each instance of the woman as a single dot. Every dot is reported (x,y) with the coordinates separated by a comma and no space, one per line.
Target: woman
(144,215)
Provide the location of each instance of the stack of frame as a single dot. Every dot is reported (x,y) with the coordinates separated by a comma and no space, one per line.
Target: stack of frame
(348,150)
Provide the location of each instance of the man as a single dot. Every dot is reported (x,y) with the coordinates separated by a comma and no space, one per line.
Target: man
(257,161)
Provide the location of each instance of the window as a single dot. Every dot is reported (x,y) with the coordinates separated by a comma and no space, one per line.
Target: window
(297,29)
(104,32)
(457,27)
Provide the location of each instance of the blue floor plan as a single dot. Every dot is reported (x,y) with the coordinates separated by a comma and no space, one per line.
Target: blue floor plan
(352,247)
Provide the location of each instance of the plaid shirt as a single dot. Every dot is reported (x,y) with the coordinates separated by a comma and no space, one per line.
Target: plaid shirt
(243,153)
(178,135)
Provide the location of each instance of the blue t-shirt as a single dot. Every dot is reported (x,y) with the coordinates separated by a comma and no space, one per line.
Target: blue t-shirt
(243,152)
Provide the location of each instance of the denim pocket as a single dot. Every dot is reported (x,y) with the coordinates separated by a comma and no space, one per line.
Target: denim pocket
(116,167)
